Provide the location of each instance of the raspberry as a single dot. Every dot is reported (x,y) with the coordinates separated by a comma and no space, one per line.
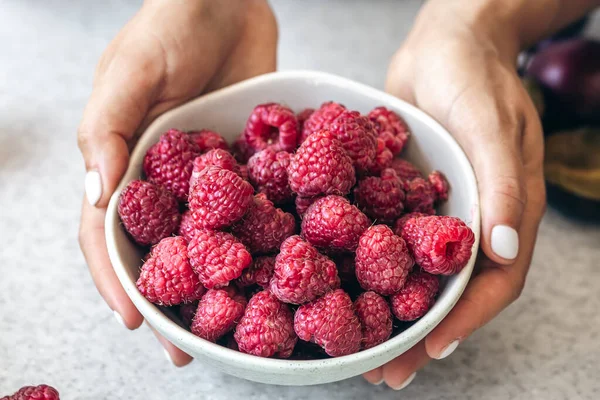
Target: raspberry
(400,222)
(347,273)
(381,198)
(383,158)
(217,257)
(167,278)
(272,123)
(208,140)
(416,296)
(321,166)
(187,312)
(391,128)
(219,198)
(382,260)
(375,318)
(267,171)
(169,162)
(440,185)
(241,150)
(148,212)
(244,172)
(321,118)
(440,244)
(301,273)
(264,227)
(216,157)
(420,196)
(331,323)
(302,203)
(267,327)
(260,272)
(334,224)
(40,392)
(302,116)
(187,227)
(218,312)
(358,137)
(405,170)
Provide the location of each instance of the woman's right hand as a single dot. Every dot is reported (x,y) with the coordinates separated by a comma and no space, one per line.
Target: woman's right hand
(169,53)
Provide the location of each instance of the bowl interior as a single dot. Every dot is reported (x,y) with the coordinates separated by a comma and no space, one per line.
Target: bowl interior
(226,111)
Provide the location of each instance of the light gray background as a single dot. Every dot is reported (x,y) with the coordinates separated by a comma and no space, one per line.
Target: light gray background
(55,328)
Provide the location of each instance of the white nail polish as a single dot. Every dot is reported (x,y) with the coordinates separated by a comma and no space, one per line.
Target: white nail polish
(93,187)
(168,356)
(406,382)
(119,319)
(378,382)
(505,241)
(448,350)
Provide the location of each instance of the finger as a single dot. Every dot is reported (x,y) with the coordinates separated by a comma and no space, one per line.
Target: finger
(177,357)
(399,79)
(93,245)
(375,376)
(401,371)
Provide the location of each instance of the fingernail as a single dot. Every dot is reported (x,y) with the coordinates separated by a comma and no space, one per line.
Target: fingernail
(505,241)
(406,382)
(377,383)
(93,187)
(119,319)
(448,350)
(168,356)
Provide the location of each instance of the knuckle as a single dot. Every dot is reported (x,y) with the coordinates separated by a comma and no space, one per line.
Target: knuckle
(511,187)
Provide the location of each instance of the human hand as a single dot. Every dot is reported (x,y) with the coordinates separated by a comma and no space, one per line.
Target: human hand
(167,54)
(462,72)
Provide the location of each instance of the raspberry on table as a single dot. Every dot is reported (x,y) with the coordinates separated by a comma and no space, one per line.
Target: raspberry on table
(218,312)
(332,223)
(259,272)
(405,170)
(169,162)
(187,227)
(382,260)
(358,137)
(217,257)
(40,392)
(375,317)
(148,212)
(383,158)
(208,140)
(269,124)
(330,322)
(416,296)
(400,222)
(441,245)
(167,278)
(219,198)
(321,166)
(186,312)
(267,171)
(266,328)
(381,198)
(321,118)
(264,227)
(391,128)
(241,150)
(302,116)
(420,196)
(215,157)
(302,203)
(440,185)
(301,273)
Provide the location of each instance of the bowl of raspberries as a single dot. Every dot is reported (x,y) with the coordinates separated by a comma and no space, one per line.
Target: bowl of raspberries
(296,228)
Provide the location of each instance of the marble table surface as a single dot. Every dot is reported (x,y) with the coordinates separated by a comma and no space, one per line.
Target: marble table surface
(55,328)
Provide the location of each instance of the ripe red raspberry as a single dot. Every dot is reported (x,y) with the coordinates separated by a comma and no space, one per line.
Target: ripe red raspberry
(400,222)
(148,212)
(187,312)
(332,223)
(321,166)
(217,257)
(381,198)
(187,227)
(40,392)
(259,273)
(267,327)
(244,172)
(241,150)
(375,318)
(416,296)
(208,140)
(383,158)
(347,273)
(440,185)
(219,198)
(331,323)
(391,128)
(269,124)
(358,137)
(169,162)
(167,278)
(420,196)
(440,244)
(405,170)
(321,118)
(302,203)
(301,273)
(302,116)
(382,260)
(218,312)
(264,227)
(267,171)
(215,157)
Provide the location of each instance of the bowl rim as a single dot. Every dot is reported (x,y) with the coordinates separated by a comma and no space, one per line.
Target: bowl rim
(412,334)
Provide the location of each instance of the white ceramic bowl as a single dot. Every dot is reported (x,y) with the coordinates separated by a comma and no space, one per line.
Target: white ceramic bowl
(226,111)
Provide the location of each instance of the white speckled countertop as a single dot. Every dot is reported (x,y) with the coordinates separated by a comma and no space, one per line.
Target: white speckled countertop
(54,327)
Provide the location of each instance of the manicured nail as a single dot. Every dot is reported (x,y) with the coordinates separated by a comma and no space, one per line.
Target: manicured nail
(168,356)
(93,187)
(119,319)
(505,241)
(406,382)
(448,350)
(377,383)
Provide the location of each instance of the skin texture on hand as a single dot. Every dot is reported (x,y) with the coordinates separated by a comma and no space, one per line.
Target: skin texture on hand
(167,54)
